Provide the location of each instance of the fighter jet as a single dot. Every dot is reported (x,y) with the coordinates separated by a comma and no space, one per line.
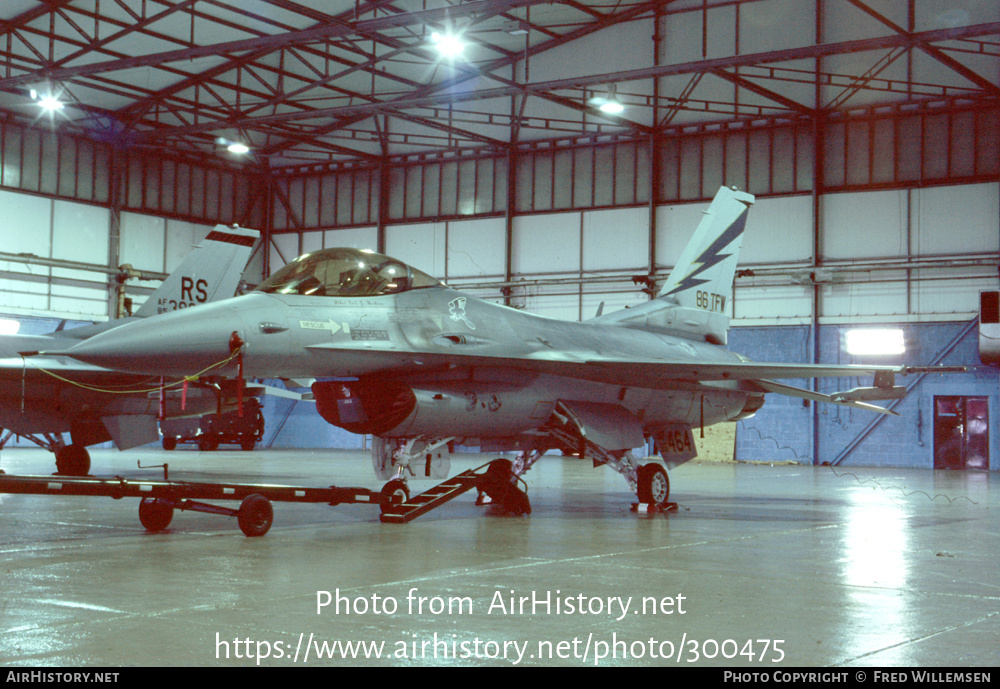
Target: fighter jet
(42,397)
(397,354)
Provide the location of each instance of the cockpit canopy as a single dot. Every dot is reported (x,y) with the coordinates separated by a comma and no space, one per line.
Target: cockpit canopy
(346,273)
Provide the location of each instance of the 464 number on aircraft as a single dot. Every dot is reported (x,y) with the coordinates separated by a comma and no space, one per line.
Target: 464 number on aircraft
(677,441)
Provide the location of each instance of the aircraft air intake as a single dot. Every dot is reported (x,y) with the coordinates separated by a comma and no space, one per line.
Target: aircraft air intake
(364,406)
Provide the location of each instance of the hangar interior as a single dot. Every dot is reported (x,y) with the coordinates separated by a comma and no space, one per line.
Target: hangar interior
(868,131)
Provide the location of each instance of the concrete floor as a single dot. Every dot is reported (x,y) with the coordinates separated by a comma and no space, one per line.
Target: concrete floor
(762,567)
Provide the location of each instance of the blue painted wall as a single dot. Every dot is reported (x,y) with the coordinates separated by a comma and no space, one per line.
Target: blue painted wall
(784,429)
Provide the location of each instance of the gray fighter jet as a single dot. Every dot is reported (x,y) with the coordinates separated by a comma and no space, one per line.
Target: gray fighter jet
(42,397)
(397,354)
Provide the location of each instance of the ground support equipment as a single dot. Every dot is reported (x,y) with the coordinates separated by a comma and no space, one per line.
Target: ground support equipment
(495,479)
(159,499)
(245,429)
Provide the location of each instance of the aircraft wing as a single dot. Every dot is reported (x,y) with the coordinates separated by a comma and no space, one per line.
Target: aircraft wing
(656,374)
(648,373)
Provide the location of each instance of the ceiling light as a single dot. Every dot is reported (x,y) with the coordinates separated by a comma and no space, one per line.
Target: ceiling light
(46,100)
(611,105)
(50,103)
(875,342)
(234,147)
(449,45)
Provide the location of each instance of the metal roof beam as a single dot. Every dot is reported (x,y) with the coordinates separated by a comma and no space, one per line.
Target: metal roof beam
(933,51)
(334,27)
(431,91)
(354,112)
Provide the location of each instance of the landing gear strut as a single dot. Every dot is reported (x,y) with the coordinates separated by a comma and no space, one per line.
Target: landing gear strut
(71,460)
(399,459)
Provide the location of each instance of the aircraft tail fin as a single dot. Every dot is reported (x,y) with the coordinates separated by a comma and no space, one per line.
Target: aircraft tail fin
(210,272)
(703,276)
(697,297)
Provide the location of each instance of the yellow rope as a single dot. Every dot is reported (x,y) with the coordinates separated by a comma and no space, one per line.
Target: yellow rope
(112,391)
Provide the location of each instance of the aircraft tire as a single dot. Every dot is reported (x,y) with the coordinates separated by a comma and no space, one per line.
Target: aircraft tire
(169,442)
(393,493)
(154,514)
(654,485)
(73,460)
(255,515)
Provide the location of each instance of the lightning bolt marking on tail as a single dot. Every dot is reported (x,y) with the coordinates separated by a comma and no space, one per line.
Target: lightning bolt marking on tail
(711,256)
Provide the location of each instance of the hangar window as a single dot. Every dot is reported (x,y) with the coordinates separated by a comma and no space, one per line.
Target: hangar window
(875,342)
(346,273)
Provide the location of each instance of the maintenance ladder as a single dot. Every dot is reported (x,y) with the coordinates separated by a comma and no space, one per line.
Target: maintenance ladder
(497,482)
(432,498)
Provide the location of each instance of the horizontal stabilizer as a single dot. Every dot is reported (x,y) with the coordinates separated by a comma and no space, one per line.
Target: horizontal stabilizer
(836,398)
(897,392)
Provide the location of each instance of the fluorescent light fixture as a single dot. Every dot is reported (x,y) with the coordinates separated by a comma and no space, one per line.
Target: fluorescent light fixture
(875,342)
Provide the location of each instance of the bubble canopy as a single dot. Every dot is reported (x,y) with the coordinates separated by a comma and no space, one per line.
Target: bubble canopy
(345,273)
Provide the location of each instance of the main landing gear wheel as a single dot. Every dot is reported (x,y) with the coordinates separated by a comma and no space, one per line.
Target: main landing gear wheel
(255,515)
(155,514)
(654,485)
(73,460)
(393,494)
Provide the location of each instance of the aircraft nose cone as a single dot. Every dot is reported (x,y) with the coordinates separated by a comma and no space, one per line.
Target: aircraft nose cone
(181,343)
